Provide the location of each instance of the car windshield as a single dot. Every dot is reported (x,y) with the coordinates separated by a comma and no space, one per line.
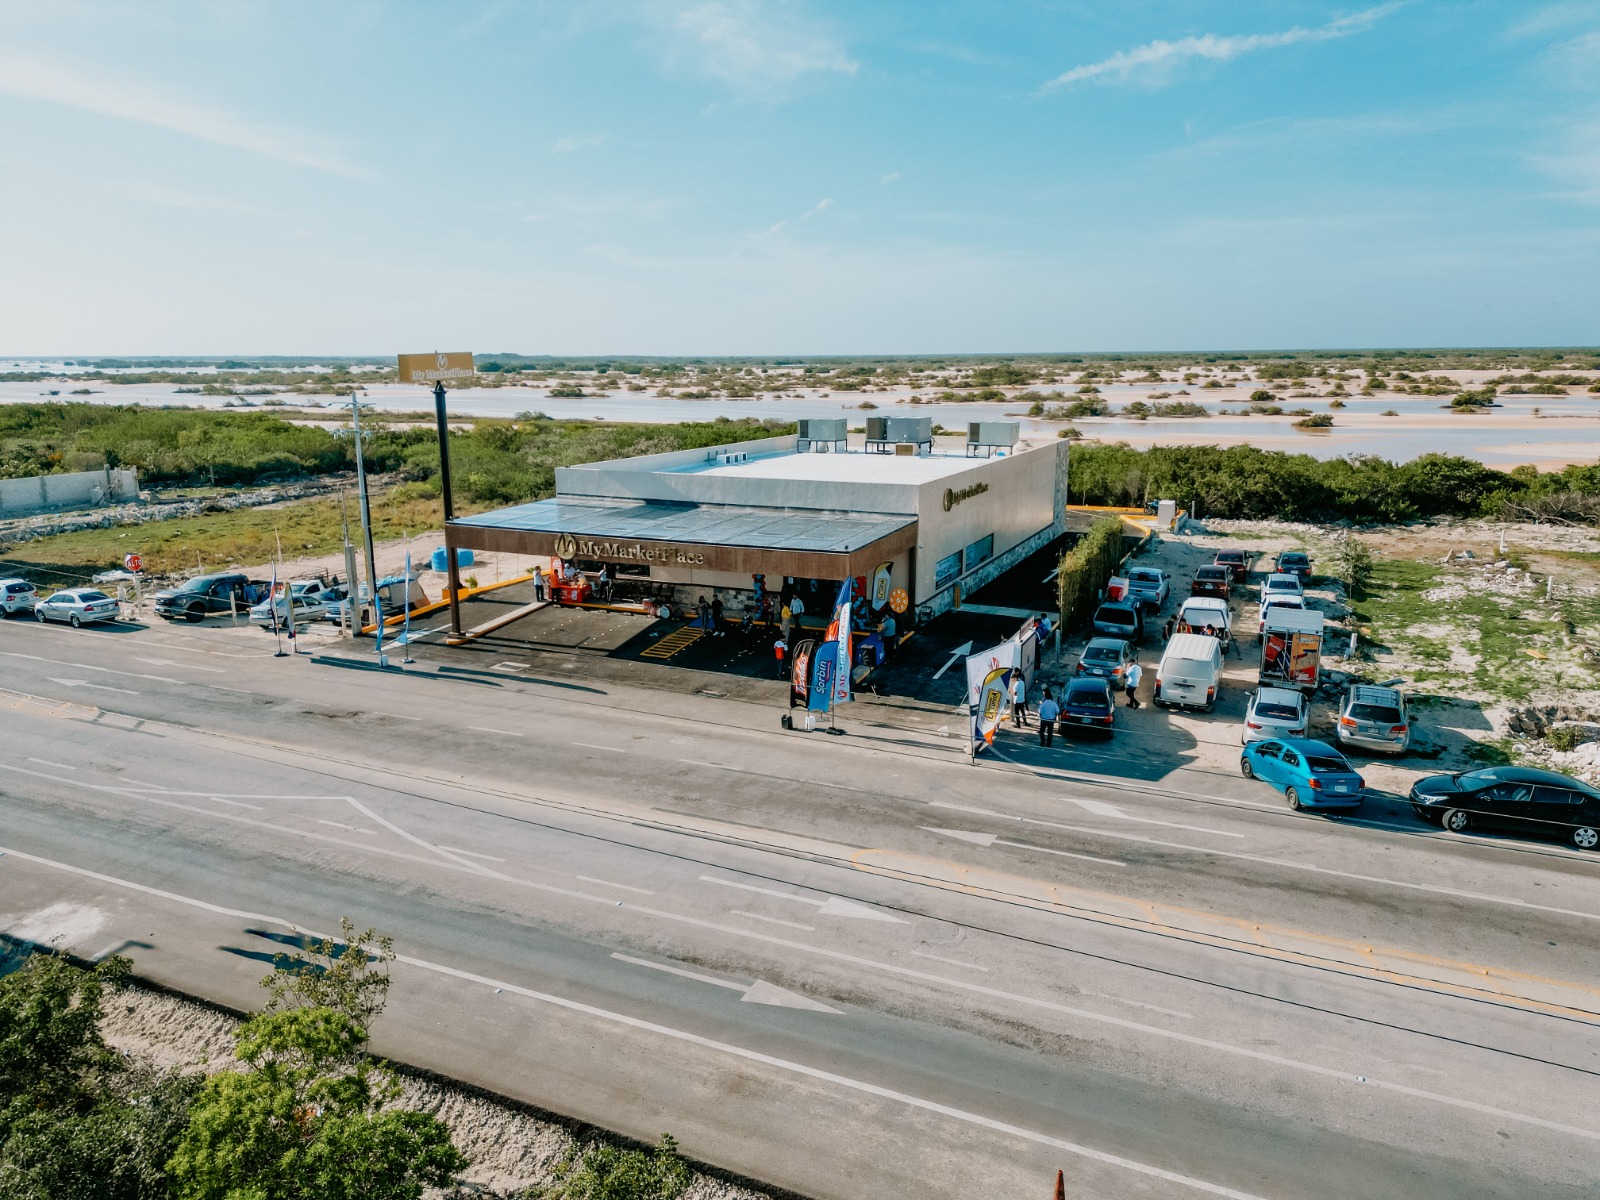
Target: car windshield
(202,584)
(1293,560)
(1283,585)
(1106,654)
(1143,577)
(1277,711)
(1323,764)
(1230,556)
(1380,713)
(1114,616)
(91,597)
(1209,573)
(1086,694)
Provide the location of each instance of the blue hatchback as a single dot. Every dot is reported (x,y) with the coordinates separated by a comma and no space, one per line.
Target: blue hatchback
(1310,774)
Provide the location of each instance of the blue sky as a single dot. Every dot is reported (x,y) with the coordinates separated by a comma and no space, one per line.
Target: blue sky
(792,177)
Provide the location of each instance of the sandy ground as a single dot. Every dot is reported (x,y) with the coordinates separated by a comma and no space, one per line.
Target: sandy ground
(488,566)
(509,1150)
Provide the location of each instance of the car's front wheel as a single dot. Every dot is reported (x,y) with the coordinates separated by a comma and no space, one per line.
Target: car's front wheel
(1293,796)
(1457,820)
(196,614)
(1585,837)
(1246,769)
(39,612)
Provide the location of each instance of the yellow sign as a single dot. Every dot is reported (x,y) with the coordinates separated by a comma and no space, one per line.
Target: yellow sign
(435,368)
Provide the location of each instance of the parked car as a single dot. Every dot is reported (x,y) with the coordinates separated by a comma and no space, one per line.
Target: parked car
(1374,718)
(392,596)
(200,597)
(1190,674)
(1522,799)
(1281,584)
(1293,562)
(1123,621)
(1212,581)
(1310,774)
(1275,712)
(1237,562)
(1275,600)
(1201,613)
(17,595)
(310,603)
(1106,658)
(78,606)
(1148,587)
(1086,704)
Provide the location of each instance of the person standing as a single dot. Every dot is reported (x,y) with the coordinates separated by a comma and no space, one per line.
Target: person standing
(1019,701)
(716,615)
(704,611)
(780,651)
(797,606)
(1130,681)
(538,585)
(605,583)
(1049,711)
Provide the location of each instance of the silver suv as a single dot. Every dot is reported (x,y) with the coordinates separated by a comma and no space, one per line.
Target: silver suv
(1374,718)
(16,595)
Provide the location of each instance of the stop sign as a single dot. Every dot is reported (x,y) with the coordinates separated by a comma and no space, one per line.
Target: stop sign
(133,562)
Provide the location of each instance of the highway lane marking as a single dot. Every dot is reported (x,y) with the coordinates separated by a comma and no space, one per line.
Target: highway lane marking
(739,912)
(501,732)
(167,662)
(759,992)
(1101,809)
(413,838)
(99,687)
(994,839)
(842,956)
(1436,889)
(349,828)
(239,804)
(592,746)
(393,716)
(833,906)
(472,854)
(45,762)
(1171,1012)
(954,962)
(607,883)
(88,667)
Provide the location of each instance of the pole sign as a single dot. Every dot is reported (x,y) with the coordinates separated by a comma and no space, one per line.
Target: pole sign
(133,562)
(435,368)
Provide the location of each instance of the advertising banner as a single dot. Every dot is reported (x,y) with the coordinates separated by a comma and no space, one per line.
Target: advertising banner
(824,671)
(881,584)
(988,689)
(800,672)
(839,639)
(1305,653)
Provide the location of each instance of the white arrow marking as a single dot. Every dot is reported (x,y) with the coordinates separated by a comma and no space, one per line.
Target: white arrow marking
(167,662)
(1101,809)
(759,992)
(989,839)
(85,683)
(833,906)
(959,651)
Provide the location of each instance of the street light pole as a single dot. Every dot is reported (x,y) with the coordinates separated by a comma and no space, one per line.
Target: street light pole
(449,511)
(366,511)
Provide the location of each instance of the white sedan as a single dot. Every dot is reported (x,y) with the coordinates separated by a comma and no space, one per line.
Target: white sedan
(78,606)
(310,604)
(1275,713)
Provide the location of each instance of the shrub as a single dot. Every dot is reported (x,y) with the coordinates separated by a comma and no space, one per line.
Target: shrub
(1315,421)
(1086,567)
(1262,396)
(1335,403)
(1353,564)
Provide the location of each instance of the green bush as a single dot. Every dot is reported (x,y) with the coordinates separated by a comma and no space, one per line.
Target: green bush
(1086,567)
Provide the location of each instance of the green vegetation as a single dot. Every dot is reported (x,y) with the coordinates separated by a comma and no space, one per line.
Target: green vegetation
(607,1172)
(1314,421)
(1086,567)
(1243,481)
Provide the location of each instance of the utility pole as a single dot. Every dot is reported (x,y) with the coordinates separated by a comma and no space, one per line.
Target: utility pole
(449,509)
(366,511)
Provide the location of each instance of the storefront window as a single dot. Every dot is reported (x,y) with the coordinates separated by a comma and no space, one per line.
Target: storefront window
(980,551)
(947,570)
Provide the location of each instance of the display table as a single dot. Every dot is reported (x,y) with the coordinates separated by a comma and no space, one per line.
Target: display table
(577,591)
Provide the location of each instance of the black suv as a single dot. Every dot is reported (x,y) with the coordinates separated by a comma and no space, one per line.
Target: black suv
(199,598)
(1519,799)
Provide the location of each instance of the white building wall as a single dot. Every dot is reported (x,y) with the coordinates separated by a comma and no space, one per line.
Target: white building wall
(77,489)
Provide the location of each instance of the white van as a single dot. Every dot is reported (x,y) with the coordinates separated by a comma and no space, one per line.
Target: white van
(1190,674)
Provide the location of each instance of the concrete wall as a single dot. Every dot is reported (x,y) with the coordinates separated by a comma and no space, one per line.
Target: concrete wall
(76,490)
(1024,508)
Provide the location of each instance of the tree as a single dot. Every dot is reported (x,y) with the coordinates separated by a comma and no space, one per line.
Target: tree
(1353,564)
(313,1117)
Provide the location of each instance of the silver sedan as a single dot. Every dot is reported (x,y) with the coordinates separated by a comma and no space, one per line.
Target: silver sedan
(78,606)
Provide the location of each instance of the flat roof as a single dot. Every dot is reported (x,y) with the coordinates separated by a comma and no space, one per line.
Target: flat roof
(856,466)
(705,524)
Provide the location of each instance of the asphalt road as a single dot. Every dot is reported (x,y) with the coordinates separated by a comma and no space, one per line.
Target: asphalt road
(839,965)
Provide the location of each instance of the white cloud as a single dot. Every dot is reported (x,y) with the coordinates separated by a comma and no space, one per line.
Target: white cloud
(35,79)
(756,48)
(820,207)
(1154,61)
(889,178)
(567,145)
(1576,163)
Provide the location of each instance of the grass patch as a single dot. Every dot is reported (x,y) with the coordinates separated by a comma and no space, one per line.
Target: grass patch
(214,540)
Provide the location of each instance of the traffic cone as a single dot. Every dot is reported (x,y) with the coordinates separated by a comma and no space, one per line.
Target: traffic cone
(1061,1185)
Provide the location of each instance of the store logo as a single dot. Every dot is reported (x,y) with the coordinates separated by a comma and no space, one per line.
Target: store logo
(953,497)
(566,546)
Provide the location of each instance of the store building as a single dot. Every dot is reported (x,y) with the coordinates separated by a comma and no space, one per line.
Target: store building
(816,508)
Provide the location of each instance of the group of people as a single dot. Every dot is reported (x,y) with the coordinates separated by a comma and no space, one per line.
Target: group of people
(1049,712)
(568,572)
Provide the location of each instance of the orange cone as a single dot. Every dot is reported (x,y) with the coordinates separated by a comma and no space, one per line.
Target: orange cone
(1061,1185)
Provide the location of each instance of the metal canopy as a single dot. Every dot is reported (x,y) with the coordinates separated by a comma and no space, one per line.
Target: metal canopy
(703,524)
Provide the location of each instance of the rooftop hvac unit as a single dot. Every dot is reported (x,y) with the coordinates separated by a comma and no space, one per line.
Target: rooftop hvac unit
(887,435)
(910,429)
(877,429)
(985,437)
(724,458)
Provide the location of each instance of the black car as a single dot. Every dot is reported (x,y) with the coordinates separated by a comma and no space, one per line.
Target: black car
(1520,799)
(1087,704)
(1293,562)
(1122,621)
(199,598)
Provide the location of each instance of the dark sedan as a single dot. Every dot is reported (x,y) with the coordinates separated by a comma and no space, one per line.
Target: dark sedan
(1293,562)
(1521,800)
(1087,704)
(1212,581)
